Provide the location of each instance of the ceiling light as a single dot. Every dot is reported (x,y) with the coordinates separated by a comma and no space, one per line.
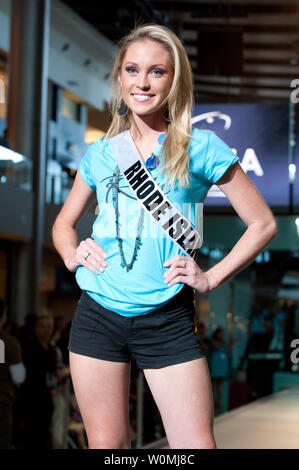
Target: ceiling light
(7,154)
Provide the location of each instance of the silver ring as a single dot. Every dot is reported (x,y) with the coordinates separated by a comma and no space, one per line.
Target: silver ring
(85,257)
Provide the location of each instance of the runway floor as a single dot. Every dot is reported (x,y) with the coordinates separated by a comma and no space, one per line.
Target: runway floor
(271,422)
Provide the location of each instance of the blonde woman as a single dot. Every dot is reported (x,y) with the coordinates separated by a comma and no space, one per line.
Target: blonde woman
(137,290)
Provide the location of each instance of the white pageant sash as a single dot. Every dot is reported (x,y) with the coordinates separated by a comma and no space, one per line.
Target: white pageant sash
(151,197)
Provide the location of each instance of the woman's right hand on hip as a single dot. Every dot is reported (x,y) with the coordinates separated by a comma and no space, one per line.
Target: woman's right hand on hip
(89,254)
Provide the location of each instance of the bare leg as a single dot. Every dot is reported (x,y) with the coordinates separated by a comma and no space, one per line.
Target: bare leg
(183,394)
(102,393)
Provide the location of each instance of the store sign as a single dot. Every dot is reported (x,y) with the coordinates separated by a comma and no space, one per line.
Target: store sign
(258,135)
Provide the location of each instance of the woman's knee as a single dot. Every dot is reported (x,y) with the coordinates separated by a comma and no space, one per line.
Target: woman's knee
(108,437)
(200,440)
(205,442)
(103,442)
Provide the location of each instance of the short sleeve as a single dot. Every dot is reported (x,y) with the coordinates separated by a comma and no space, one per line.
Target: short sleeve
(219,157)
(85,165)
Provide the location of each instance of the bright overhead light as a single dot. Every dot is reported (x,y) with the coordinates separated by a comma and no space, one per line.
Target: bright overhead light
(7,154)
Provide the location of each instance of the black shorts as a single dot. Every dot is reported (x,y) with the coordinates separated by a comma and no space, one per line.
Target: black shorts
(163,337)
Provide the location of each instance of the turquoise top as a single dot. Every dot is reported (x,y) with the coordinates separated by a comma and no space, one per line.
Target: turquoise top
(143,289)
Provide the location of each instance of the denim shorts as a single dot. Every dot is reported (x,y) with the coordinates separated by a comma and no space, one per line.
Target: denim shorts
(163,337)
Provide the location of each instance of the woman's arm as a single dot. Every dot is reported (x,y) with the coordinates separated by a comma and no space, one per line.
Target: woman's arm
(255,213)
(65,237)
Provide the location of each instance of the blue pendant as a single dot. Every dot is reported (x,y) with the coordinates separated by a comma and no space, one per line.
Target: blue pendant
(152,162)
(161,138)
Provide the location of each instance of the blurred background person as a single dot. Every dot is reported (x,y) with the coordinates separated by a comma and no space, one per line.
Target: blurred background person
(258,315)
(40,359)
(4,140)
(12,373)
(204,340)
(260,333)
(240,393)
(60,399)
(218,366)
(27,333)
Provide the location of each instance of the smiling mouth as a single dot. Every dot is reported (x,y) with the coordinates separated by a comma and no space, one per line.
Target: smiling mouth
(142,96)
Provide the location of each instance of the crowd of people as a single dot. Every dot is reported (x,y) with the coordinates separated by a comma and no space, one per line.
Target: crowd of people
(270,330)
(36,397)
(38,407)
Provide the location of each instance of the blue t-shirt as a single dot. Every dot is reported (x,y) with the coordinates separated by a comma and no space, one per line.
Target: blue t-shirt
(143,289)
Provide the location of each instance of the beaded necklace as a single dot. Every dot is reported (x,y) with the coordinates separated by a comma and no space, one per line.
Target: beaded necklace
(151,163)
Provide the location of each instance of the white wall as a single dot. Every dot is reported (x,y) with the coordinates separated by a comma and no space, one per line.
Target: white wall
(85,43)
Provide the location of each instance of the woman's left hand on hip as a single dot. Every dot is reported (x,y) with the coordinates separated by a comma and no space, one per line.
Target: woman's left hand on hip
(185,269)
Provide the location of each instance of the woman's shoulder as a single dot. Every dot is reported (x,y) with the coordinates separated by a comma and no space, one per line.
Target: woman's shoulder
(213,144)
(108,139)
(95,152)
(99,143)
(95,146)
(201,136)
(199,141)
(199,132)
(100,146)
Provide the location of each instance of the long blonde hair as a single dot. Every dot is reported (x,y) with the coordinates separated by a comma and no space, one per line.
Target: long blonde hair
(179,101)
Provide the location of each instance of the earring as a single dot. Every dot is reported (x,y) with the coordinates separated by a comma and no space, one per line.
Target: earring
(166,116)
(122,109)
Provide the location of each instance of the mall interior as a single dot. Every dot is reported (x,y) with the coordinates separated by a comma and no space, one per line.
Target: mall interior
(55,61)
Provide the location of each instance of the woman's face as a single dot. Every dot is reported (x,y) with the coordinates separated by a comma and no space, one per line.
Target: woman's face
(146,77)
